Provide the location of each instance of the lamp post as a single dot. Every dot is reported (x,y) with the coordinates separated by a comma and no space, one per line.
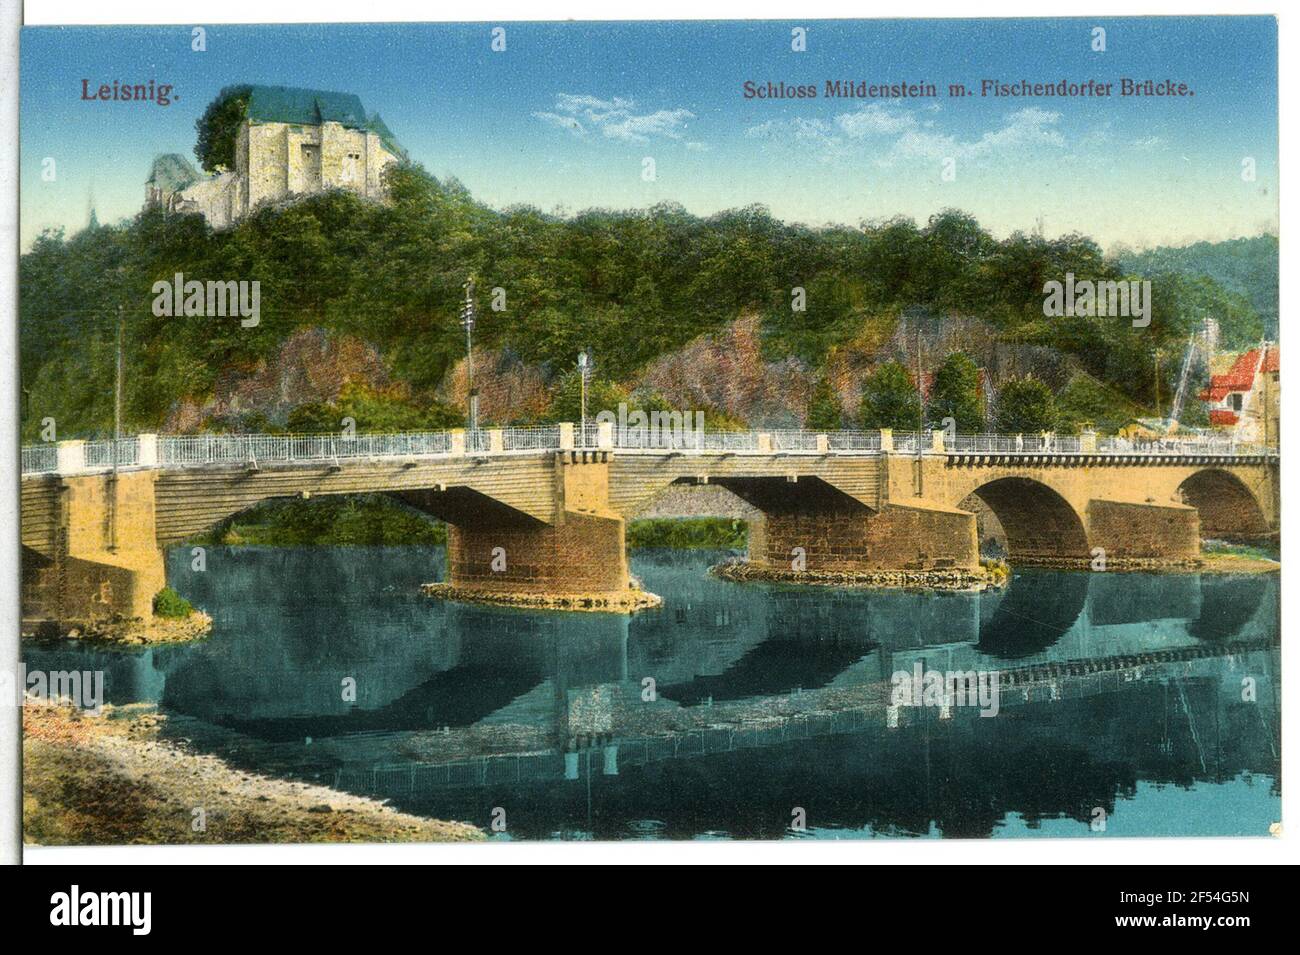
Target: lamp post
(584,366)
(467,316)
(117,389)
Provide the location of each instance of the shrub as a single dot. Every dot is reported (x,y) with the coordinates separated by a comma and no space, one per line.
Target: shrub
(168,603)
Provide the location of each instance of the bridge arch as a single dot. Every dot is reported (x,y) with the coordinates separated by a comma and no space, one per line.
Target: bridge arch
(1037,521)
(1228,508)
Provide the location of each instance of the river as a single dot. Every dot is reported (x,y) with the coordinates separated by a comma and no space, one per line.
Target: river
(1130,704)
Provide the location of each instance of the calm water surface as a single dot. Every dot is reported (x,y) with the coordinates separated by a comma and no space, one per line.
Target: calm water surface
(732,707)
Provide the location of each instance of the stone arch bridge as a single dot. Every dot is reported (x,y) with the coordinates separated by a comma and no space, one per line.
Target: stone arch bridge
(543,510)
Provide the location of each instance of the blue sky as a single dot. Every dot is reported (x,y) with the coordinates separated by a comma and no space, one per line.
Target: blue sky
(565,116)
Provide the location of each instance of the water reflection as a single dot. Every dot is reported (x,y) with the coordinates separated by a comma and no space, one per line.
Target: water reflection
(725,708)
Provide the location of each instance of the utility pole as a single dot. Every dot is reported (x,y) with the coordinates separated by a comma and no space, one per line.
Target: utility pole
(467,320)
(920,392)
(117,388)
(584,364)
(920,413)
(117,435)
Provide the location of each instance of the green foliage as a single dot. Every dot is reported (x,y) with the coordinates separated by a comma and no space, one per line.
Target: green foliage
(216,128)
(629,285)
(715,419)
(1243,269)
(824,411)
(956,394)
(602,395)
(374,412)
(1086,403)
(703,533)
(168,603)
(1025,406)
(889,399)
(369,520)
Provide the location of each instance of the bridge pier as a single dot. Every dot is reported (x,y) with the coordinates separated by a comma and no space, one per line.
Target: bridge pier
(97,557)
(577,559)
(1142,531)
(579,554)
(813,526)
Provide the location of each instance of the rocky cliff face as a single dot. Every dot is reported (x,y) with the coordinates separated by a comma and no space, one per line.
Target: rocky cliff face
(723,371)
(310,366)
(726,371)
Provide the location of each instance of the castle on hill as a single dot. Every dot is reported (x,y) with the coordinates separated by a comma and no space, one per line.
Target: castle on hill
(291,142)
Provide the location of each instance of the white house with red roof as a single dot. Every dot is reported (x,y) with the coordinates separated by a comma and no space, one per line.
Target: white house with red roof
(1245,397)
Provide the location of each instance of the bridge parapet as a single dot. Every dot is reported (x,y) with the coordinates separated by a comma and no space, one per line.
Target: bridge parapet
(256,450)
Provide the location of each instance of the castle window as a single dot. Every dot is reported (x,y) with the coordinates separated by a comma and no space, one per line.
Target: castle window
(310,167)
(351,171)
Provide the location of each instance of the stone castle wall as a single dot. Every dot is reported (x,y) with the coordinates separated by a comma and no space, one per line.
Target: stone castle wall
(274,161)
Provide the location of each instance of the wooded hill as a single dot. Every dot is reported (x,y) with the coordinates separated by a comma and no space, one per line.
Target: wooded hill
(630,286)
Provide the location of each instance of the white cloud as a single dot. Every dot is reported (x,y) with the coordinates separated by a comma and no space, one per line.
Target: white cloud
(615,118)
(563,122)
(875,120)
(891,133)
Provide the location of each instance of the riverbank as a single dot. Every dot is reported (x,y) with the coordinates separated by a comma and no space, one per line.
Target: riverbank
(124,631)
(993,574)
(113,779)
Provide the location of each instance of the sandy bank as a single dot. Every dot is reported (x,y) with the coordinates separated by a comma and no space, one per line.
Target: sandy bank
(112,779)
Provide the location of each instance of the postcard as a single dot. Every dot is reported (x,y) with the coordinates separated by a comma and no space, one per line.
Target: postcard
(660,430)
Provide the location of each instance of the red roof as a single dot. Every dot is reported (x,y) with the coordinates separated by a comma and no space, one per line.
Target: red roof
(1241,376)
(1221,416)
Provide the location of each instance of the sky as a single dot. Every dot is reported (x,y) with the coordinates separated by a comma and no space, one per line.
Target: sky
(566,115)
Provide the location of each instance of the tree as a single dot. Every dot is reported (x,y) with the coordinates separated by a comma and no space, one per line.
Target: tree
(1025,406)
(956,394)
(602,395)
(824,412)
(217,127)
(374,410)
(889,399)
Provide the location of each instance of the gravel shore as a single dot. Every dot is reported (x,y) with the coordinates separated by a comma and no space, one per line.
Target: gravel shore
(111,779)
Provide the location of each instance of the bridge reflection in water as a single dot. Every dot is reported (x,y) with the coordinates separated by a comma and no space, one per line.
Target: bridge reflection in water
(723,710)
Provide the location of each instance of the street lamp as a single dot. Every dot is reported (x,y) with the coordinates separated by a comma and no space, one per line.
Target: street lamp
(467,316)
(584,366)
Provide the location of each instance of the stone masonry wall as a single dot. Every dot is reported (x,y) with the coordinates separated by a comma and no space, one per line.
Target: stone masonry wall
(1143,531)
(896,538)
(108,561)
(581,553)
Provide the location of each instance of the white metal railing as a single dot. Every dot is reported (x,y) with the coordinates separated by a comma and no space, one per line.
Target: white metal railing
(544,438)
(192,450)
(987,443)
(101,454)
(728,440)
(1200,444)
(794,440)
(40,458)
(909,442)
(853,440)
(180,451)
